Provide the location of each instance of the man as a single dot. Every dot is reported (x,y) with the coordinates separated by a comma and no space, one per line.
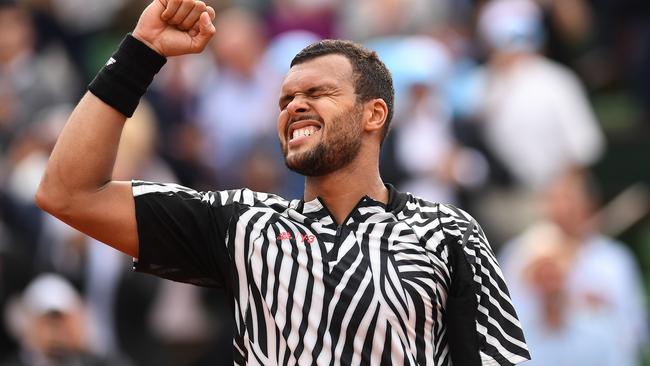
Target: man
(49,320)
(355,273)
(533,114)
(579,292)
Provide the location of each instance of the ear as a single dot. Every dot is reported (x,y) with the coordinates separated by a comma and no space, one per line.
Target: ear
(375,113)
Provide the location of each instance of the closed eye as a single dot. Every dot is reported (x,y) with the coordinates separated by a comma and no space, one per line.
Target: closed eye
(312,93)
(284,102)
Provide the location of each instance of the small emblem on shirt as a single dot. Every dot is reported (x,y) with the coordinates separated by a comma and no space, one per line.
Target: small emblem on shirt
(303,238)
(110,61)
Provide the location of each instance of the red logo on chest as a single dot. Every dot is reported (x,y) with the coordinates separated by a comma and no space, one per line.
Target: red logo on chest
(303,238)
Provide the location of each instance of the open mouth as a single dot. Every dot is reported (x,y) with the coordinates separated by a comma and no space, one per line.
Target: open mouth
(302,129)
(303,132)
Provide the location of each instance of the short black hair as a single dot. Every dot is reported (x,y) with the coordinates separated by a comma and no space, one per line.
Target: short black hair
(372,79)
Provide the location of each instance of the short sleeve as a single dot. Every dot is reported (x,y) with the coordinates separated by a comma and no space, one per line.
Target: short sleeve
(181,234)
(499,336)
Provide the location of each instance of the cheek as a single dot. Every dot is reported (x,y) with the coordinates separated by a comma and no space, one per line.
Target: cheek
(283,119)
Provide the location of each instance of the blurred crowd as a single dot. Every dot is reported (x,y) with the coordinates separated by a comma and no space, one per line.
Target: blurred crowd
(534,115)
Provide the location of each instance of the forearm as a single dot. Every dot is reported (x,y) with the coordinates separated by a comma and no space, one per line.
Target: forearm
(82,160)
(77,186)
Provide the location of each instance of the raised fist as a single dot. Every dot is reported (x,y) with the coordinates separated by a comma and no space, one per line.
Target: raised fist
(176,27)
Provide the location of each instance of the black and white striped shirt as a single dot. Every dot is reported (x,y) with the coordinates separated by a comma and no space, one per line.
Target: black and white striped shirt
(306,291)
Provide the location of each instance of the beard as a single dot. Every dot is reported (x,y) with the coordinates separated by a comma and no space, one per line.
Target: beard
(335,150)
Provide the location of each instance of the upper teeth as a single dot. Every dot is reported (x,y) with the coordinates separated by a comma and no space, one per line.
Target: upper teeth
(305,131)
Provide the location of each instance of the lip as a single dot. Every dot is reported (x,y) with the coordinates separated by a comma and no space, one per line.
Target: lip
(301,124)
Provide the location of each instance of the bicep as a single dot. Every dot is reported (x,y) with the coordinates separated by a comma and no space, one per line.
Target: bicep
(108,215)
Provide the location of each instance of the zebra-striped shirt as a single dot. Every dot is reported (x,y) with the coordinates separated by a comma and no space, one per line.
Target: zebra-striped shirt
(305,291)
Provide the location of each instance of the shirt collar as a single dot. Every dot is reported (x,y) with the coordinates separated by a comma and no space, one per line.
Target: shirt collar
(396,202)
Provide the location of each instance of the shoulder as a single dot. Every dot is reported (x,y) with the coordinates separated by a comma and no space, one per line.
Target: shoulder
(435,216)
(412,207)
(608,250)
(247,197)
(242,196)
(556,73)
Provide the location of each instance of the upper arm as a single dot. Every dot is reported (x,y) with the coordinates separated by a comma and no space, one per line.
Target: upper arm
(77,186)
(182,233)
(107,214)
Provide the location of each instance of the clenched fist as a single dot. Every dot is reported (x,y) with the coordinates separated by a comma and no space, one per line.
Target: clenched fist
(176,27)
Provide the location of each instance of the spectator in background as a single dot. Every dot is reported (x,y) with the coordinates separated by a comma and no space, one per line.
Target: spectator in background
(367,19)
(280,46)
(236,100)
(81,26)
(534,104)
(54,246)
(535,117)
(318,16)
(21,224)
(422,155)
(579,292)
(179,141)
(49,322)
(29,81)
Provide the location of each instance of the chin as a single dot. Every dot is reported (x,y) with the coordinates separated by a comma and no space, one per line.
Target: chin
(303,167)
(296,164)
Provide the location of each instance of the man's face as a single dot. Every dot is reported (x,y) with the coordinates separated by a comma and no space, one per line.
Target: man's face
(15,33)
(57,335)
(319,125)
(568,205)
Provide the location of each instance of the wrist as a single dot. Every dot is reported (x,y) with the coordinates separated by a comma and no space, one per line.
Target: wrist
(138,36)
(127,75)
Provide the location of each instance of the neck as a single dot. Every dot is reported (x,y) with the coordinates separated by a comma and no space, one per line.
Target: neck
(504,61)
(341,190)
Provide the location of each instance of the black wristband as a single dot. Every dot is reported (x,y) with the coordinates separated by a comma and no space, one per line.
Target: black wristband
(127,74)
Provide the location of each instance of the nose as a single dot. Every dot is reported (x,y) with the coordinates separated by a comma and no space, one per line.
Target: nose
(298,105)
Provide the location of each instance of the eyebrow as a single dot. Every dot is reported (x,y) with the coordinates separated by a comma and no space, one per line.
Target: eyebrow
(286,98)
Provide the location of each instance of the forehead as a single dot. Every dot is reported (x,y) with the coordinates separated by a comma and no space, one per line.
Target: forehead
(331,69)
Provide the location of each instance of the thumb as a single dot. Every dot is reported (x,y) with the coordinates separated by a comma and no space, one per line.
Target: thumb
(206,31)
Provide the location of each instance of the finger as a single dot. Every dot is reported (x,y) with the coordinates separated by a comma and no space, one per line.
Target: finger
(170,9)
(206,31)
(195,29)
(211,12)
(183,10)
(193,16)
